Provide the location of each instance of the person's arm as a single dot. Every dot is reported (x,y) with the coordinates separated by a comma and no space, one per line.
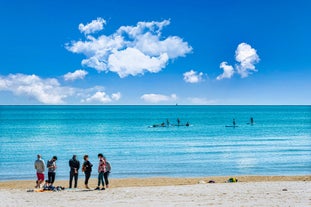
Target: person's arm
(78,167)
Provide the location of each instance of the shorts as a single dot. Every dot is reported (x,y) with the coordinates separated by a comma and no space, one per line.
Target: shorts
(40,176)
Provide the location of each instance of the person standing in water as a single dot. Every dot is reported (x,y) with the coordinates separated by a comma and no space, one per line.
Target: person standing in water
(74,165)
(233,122)
(87,169)
(251,120)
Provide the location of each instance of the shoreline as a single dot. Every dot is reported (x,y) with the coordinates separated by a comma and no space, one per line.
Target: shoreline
(157,181)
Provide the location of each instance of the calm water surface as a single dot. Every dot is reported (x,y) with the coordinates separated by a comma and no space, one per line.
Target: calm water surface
(279,143)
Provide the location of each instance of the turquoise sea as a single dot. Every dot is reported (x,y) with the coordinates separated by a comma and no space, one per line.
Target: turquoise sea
(279,142)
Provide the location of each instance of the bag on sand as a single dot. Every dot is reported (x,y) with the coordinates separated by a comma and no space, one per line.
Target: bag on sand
(232,180)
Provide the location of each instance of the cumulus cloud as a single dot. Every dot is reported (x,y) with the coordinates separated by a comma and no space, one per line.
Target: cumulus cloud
(156,98)
(47,91)
(116,96)
(78,74)
(102,97)
(228,71)
(247,57)
(50,91)
(131,61)
(193,76)
(131,50)
(94,26)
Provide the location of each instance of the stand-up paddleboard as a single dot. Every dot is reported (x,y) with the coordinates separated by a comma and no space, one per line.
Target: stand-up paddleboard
(231,126)
(186,125)
(155,126)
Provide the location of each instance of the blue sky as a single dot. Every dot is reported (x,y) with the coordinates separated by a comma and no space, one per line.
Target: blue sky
(157,52)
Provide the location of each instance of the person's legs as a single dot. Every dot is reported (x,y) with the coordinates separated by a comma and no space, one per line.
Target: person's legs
(106,174)
(52,178)
(40,177)
(70,179)
(37,181)
(100,180)
(87,177)
(76,179)
(49,177)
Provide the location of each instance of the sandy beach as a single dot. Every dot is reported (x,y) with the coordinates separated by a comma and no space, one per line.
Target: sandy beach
(249,191)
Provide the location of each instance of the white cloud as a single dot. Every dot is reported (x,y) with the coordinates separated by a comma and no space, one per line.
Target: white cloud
(102,97)
(132,61)
(156,98)
(94,26)
(131,50)
(50,91)
(116,96)
(47,91)
(193,76)
(247,57)
(228,71)
(78,74)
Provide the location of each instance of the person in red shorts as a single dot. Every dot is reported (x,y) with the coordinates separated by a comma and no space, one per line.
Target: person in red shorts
(39,166)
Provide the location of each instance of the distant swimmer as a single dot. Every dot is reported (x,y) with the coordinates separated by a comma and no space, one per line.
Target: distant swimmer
(178,121)
(252,120)
(167,122)
(187,124)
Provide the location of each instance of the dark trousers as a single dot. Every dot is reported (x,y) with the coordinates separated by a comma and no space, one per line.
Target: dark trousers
(87,177)
(101,179)
(106,174)
(75,176)
(51,177)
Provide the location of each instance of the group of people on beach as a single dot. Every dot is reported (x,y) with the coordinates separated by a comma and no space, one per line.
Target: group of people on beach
(104,168)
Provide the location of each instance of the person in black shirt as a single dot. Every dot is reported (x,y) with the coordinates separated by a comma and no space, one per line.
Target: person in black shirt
(74,165)
(87,169)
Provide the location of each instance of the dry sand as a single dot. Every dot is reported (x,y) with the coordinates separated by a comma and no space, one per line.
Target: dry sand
(249,191)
